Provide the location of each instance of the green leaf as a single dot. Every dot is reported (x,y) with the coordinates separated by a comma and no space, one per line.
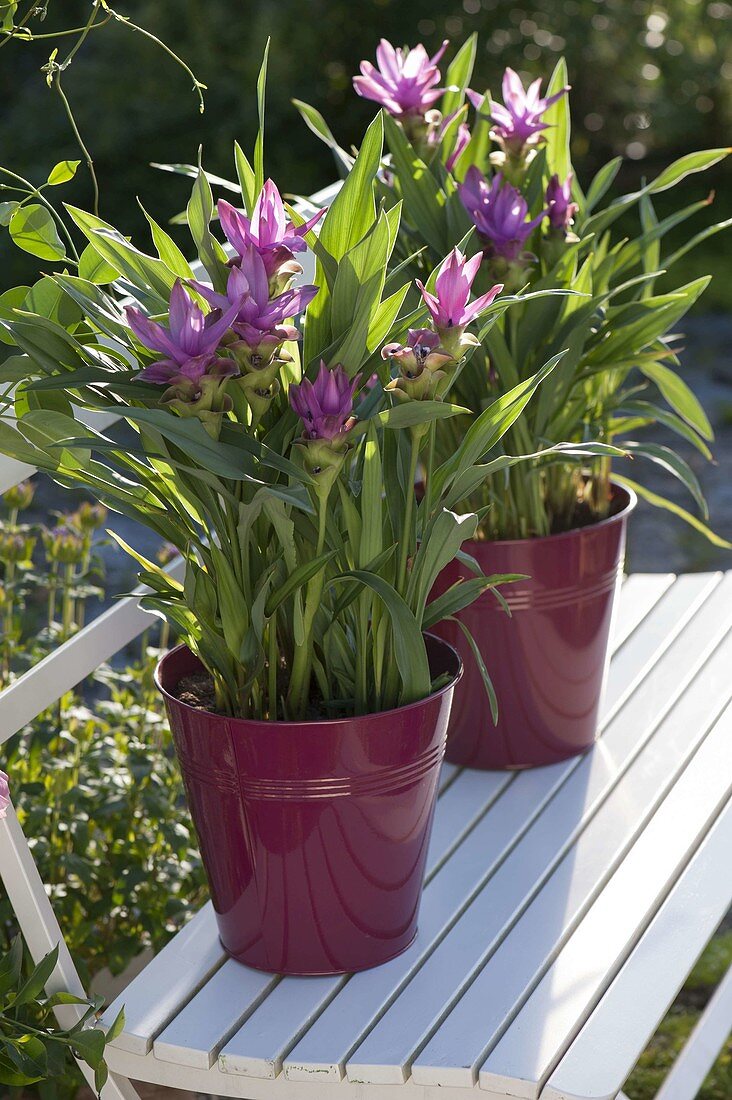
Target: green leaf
(457,77)
(297,579)
(674,464)
(457,597)
(89,1046)
(199,213)
(167,249)
(64,171)
(422,194)
(601,183)
(409,647)
(11,965)
(245,173)
(679,396)
(95,269)
(7,209)
(315,122)
(480,664)
(441,540)
(558,123)
(372,488)
(661,502)
(686,166)
(353,211)
(34,986)
(407,414)
(34,230)
(259,144)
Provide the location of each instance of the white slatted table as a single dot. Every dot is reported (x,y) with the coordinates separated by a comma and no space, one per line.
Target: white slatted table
(563,909)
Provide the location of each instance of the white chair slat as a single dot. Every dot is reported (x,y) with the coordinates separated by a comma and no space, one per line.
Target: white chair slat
(529,1051)
(527,951)
(42,685)
(167,983)
(597,1063)
(387,1051)
(213,1015)
(41,932)
(706,1040)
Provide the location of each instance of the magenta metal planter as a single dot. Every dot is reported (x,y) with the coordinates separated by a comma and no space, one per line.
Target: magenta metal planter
(313,834)
(548,661)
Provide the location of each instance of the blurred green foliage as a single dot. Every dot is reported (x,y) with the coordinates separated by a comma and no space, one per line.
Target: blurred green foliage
(650,79)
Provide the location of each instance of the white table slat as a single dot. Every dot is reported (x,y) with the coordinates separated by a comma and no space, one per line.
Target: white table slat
(154,997)
(526,952)
(596,1065)
(324,1049)
(268,1035)
(639,593)
(663,623)
(530,1049)
(257,1049)
(213,1015)
(240,1051)
(385,1054)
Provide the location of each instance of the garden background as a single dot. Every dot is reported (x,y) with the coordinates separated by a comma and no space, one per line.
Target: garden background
(650,81)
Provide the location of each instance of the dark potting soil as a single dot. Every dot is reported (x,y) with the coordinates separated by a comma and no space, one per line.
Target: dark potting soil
(197,691)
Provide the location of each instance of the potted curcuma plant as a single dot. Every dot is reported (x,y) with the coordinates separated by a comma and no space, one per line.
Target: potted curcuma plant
(503,186)
(308,703)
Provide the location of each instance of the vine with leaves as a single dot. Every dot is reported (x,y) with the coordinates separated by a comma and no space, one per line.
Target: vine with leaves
(25,209)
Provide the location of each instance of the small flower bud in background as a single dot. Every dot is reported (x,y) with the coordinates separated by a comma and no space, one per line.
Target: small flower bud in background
(64,544)
(90,516)
(15,547)
(4,794)
(20,496)
(167,553)
(560,208)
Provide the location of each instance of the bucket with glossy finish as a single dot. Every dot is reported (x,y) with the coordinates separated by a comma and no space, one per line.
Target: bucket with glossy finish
(314,834)
(548,661)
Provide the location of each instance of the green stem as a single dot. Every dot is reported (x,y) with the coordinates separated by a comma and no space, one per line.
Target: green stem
(428,472)
(273,662)
(299,688)
(406,544)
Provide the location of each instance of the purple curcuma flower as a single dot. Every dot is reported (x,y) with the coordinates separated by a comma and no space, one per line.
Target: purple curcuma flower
(257,319)
(449,306)
(517,121)
(499,212)
(189,344)
(404,81)
(269,230)
(559,203)
(325,406)
(4,794)
(422,351)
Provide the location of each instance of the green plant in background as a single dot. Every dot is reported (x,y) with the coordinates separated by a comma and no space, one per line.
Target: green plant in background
(34,1050)
(505,187)
(94,780)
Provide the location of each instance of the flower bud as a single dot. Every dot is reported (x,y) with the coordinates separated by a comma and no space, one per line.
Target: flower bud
(90,516)
(64,544)
(20,496)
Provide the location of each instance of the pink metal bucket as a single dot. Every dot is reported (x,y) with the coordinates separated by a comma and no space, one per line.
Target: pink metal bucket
(548,661)
(313,834)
